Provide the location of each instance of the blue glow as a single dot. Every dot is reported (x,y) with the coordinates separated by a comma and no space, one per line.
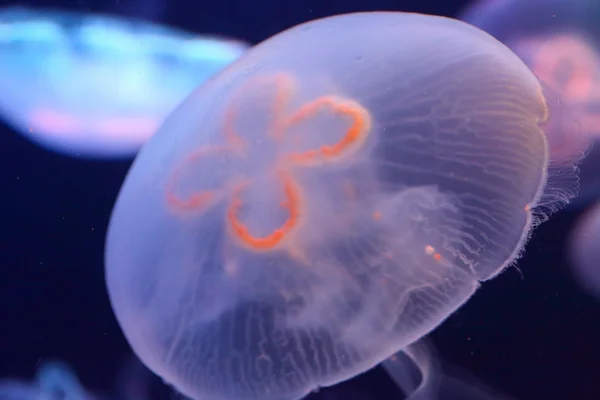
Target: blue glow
(96,85)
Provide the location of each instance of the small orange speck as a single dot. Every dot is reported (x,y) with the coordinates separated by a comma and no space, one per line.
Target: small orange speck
(377,215)
(430,251)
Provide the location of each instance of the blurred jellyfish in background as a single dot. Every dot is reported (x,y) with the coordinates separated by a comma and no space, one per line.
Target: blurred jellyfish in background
(98,86)
(55,380)
(560,41)
(59,380)
(584,251)
(421,375)
(325,202)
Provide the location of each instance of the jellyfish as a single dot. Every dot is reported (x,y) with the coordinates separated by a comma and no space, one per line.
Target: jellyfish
(97,86)
(58,379)
(54,380)
(326,201)
(559,40)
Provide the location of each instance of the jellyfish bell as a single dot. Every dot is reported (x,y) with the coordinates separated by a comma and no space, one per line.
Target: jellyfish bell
(568,71)
(323,203)
(560,41)
(98,86)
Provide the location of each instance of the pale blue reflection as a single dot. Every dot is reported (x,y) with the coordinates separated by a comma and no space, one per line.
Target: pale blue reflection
(97,85)
(54,381)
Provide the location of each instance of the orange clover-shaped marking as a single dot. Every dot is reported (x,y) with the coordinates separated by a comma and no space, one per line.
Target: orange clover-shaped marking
(236,146)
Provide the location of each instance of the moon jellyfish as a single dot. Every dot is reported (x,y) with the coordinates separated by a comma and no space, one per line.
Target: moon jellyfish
(584,251)
(325,202)
(559,40)
(98,86)
(418,371)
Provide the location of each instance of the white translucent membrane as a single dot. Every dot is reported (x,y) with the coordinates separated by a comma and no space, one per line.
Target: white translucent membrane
(421,375)
(98,86)
(559,41)
(568,65)
(325,201)
(584,251)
